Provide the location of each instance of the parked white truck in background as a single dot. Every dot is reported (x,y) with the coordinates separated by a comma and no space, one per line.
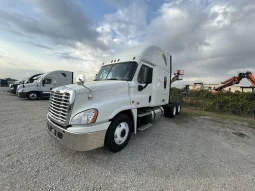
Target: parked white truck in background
(130,91)
(42,86)
(14,86)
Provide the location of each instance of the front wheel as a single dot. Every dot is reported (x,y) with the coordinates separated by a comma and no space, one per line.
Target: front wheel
(118,133)
(32,95)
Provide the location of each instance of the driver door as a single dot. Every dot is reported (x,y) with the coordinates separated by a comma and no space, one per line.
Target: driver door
(47,86)
(143,90)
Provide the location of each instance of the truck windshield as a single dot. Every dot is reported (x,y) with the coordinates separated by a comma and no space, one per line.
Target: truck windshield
(38,79)
(120,71)
(24,81)
(34,79)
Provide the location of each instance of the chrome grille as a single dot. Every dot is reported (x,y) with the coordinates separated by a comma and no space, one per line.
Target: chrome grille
(59,106)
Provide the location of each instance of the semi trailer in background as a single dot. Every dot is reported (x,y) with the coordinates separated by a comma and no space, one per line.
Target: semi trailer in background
(31,79)
(41,88)
(130,91)
(3,83)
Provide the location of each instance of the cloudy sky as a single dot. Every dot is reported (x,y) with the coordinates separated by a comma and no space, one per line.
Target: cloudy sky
(210,39)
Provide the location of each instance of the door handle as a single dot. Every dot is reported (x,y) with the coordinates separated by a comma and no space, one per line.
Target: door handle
(149,99)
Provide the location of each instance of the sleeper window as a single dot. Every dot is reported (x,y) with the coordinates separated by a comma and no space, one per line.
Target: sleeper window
(47,81)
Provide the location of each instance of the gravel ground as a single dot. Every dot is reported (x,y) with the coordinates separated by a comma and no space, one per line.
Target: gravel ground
(196,153)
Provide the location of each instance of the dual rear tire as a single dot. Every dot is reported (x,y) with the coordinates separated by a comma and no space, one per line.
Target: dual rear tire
(172,109)
(178,108)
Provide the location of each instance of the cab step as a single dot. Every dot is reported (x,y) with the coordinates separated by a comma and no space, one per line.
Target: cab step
(145,127)
(144,114)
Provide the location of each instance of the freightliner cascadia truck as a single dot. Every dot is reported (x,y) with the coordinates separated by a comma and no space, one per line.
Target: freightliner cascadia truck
(41,88)
(130,91)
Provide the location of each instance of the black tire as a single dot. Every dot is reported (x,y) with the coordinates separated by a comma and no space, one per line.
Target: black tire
(170,110)
(32,95)
(113,135)
(173,111)
(178,109)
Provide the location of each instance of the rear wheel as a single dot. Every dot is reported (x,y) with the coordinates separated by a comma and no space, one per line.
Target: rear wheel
(173,111)
(32,95)
(170,110)
(118,133)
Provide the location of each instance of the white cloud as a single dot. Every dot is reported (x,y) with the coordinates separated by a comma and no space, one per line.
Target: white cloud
(210,41)
(17,63)
(222,15)
(125,27)
(48,36)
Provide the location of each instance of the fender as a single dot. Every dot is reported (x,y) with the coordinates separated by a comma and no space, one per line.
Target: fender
(134,117)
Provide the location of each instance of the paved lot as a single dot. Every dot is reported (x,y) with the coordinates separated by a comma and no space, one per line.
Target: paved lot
(197,153)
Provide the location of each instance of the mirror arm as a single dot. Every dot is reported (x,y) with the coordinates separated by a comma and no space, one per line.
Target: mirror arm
(145,85)
(142,87)
(85,86)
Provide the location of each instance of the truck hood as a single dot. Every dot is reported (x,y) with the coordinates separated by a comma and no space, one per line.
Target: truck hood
(98,86)
(27,85)
(108,97)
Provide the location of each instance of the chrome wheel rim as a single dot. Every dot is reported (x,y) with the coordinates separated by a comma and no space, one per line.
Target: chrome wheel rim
(174,111)
(121,133)
(33,96)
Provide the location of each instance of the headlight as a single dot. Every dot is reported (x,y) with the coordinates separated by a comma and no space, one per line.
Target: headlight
(21,90)
(85,117)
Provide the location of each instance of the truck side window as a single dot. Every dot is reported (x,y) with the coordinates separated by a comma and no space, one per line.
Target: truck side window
(164,58)
(165,82)
(145,75)
(47,81)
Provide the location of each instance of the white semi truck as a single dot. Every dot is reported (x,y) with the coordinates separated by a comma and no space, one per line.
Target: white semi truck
(43,85)
(14,86)
(130,91)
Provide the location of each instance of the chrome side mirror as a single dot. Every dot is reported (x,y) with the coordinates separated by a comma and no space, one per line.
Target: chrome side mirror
(80,79)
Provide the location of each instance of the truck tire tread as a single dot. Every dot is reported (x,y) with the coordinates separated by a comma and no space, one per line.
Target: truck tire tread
(178,108)
(109,138)
(28,95)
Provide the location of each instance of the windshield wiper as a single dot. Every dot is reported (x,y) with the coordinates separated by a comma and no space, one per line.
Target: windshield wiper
(112,79)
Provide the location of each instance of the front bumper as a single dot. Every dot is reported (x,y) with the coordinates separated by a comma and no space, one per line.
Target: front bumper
(21,94)
(78,141)
(12,90)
